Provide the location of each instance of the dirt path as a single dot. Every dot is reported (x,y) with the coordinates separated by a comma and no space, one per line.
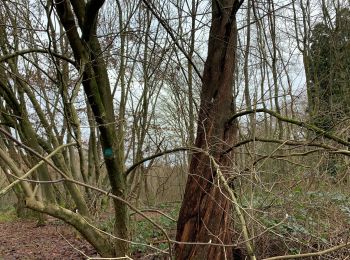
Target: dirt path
(21,239)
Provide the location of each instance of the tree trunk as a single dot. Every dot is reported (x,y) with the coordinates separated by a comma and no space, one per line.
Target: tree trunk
(87,53)
(205,211)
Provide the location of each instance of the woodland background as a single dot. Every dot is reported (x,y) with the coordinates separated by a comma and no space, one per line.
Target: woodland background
(184,128)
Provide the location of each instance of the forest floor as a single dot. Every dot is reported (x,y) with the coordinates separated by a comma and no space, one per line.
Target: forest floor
(23,239)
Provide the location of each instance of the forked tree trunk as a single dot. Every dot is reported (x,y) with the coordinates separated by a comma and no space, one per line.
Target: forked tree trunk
(205,211)
(79,14)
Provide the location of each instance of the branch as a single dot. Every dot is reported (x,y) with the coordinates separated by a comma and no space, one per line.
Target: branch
(134,166)
(19,179)
(8,135)
(150,6)
(91,12)
(79,10)
(67,179)
(288,142)
(11,165)
(156,211)
(292,121)
(237,207)
(323,252)
(22,52)
(70,217)
(68,21)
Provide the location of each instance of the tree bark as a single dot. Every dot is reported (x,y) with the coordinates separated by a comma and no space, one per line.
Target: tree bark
(205,211)
(87,53)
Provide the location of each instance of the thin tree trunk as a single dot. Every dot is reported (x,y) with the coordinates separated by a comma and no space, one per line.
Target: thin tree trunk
(87,53)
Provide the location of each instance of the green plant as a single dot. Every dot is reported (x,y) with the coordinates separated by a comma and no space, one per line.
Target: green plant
(8,215)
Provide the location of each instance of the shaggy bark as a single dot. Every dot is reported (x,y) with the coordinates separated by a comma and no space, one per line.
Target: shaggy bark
(205,212)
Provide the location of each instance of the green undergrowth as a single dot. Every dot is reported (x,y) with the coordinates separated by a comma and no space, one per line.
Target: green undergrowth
(7,214)
(299,220)
(144,233)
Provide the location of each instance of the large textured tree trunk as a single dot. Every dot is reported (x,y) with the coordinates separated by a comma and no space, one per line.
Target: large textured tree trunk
(205,212)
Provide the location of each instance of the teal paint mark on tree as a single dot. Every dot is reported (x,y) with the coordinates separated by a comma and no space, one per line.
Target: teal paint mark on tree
(108,152)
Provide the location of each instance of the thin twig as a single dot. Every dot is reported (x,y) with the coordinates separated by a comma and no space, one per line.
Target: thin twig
(248,245)
(319,253)
(68,179)
(18,179)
